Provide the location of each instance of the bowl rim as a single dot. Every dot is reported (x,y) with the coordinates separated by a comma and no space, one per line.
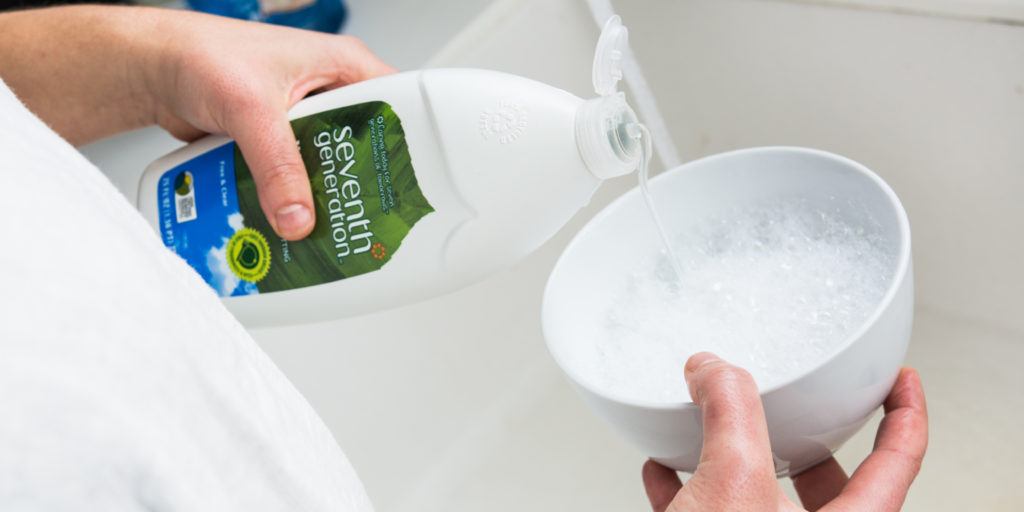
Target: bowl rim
(899,277)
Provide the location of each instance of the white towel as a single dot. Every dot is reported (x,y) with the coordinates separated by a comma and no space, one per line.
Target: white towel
(124,383)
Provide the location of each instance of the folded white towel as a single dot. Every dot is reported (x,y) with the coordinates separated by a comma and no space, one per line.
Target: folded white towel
(124,383)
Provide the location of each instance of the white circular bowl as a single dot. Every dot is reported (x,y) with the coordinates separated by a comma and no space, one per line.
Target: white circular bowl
(809,415)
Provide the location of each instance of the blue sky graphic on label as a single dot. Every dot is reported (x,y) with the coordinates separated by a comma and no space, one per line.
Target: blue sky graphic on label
(202,193)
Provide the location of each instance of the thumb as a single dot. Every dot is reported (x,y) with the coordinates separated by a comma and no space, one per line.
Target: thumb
(268,145)
(736,453)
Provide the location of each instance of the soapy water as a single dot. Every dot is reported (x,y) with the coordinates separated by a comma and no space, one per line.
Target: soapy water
(774,287)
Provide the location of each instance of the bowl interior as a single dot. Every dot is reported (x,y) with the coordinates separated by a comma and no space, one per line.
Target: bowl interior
(598,261)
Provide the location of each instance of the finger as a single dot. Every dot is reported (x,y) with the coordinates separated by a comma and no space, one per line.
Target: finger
(178,128)
(353,61)
(268,145)
(661,484)
(343,60)
(820,484)
(735,432)
(882,480)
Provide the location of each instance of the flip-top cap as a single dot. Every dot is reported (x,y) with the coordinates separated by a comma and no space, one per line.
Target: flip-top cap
(607,130)
(612,47)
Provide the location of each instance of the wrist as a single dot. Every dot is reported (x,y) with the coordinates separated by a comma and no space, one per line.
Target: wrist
(151,63)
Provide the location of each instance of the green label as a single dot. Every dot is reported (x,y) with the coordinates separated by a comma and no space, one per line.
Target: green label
(365,194)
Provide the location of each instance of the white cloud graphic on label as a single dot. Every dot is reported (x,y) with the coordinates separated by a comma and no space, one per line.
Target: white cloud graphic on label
(236,221)
(221,277)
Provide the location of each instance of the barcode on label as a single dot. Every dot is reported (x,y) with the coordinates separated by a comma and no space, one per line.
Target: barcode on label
(186,208)
(184,197)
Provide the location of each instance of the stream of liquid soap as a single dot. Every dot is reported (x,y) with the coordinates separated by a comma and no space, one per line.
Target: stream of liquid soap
(645,167)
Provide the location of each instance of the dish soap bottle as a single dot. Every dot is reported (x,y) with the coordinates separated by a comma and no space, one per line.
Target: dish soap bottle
(423,182)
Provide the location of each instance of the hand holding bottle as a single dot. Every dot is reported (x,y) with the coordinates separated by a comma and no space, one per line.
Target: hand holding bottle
(116,68)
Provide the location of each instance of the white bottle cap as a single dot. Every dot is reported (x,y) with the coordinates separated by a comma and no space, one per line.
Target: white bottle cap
(607,130)
(612,48)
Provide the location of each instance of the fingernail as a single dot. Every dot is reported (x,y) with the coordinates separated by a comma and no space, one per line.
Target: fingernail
(293,219)
(696,361)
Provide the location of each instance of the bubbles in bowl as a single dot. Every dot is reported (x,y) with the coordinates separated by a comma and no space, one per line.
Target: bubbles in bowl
(773,287)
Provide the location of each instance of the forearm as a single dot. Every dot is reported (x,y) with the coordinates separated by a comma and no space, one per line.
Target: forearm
(83,69)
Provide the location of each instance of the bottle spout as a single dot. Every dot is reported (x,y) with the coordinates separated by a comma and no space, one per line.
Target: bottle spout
(608,136)
(607,129)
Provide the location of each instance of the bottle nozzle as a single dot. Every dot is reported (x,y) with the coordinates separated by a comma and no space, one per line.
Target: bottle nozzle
(607,130)
(608,134)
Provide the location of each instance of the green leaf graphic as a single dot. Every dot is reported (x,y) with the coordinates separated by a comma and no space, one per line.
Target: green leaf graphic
(314,260)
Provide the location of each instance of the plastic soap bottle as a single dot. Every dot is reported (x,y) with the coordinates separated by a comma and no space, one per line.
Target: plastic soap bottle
(423,182)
